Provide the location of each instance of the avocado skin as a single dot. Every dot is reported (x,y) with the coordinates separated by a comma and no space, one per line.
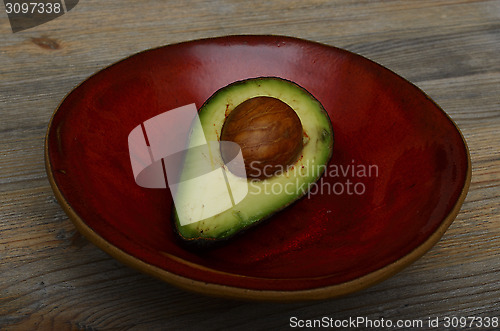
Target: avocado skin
(195,244)
(201,244)
(199,241)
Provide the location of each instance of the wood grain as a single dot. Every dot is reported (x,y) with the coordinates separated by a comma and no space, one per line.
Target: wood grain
(53,279)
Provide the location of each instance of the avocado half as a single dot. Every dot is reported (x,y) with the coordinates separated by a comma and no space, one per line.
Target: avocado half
(252,201)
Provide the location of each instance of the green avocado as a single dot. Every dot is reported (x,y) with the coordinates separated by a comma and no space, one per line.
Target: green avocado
(197,218)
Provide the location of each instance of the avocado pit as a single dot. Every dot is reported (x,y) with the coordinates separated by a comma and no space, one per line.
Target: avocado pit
(269,133)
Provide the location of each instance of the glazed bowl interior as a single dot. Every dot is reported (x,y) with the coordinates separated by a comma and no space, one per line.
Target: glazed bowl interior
(399,172)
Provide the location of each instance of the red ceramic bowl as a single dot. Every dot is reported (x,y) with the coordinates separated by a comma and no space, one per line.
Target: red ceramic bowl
(329,244)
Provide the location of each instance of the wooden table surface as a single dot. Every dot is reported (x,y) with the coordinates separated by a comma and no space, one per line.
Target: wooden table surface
(51,278)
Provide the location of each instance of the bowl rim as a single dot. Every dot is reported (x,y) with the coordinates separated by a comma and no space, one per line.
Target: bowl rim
(241,293)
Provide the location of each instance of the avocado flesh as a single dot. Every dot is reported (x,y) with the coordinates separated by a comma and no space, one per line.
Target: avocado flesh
(264,197)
